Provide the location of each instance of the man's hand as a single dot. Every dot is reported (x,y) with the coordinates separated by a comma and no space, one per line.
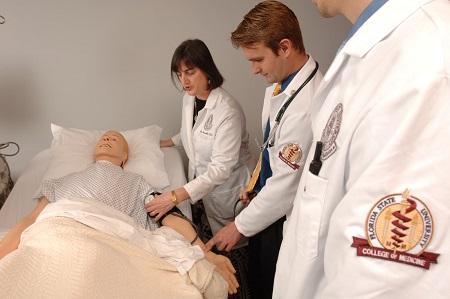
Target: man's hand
(244,198)
(225,269)
(160,205)
(225,239)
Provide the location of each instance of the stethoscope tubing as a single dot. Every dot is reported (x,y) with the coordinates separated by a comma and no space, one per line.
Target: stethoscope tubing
(271,139)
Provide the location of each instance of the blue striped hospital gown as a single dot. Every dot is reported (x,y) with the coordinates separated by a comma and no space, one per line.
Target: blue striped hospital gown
(108,183)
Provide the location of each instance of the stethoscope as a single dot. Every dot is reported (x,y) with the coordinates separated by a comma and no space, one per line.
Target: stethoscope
(271,139)
(6,145)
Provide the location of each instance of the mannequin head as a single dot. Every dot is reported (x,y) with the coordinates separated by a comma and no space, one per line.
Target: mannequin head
(112,147)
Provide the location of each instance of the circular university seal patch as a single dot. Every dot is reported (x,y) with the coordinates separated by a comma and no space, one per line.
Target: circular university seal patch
(400,222)
(291,155)
(331,132)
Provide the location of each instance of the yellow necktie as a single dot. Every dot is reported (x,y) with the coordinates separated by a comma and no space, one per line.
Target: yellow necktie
(276,90)
(255,174)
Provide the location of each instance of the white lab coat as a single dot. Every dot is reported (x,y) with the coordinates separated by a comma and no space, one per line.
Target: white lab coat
(276,197)
(217,148)
(393,81)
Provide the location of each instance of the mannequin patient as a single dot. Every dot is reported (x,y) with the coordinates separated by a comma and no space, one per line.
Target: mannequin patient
(106,181)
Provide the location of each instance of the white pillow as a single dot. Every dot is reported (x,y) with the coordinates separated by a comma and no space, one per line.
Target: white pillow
(73,150)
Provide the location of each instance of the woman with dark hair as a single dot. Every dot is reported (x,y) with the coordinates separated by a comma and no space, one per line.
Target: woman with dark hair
(214,136)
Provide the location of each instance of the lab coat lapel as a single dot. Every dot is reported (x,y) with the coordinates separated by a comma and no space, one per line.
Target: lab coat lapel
(212,98)
(324,86)
(300,77)
(188,117)
(376,28)
(266,107)
(209,106)
(275,103)
(380,25)
(303,74)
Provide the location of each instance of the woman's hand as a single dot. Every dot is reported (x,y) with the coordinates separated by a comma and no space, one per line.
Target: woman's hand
(163,203)
(225,269)
(166,143)
(160,205)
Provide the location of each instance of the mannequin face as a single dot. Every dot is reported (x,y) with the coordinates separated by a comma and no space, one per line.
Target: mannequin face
(194,81)
(112,147)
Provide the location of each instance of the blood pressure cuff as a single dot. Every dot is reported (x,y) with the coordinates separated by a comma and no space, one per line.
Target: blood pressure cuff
(174,210)
(6,184)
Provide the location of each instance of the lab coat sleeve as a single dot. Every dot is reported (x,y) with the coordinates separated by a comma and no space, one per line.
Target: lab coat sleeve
(176,139)
(413,155)
(276,197)
(224,157)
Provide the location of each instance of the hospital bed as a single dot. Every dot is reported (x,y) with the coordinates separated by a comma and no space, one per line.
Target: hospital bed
(116,269)
(20,203)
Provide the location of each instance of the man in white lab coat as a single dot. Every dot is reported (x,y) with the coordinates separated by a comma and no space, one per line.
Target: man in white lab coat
(271,40)
(371,215)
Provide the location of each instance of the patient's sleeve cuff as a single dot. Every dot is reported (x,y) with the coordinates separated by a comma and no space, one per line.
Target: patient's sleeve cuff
(176,140)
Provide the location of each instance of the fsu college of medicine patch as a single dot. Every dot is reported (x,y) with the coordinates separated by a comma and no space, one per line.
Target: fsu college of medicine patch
(398,228)
(291,155)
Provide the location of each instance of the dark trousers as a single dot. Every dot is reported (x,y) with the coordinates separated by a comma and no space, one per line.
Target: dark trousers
(263,254)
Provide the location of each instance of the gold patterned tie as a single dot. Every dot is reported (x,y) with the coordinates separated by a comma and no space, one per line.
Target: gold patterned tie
(255,174)
(276,90)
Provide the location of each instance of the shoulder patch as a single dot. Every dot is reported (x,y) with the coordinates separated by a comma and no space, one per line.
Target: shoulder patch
(291,154)
(398,228)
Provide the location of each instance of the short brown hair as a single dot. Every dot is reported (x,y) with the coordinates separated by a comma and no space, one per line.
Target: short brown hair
(268,22)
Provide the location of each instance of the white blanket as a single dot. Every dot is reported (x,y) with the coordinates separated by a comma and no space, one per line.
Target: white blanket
(59,257)
(163,242)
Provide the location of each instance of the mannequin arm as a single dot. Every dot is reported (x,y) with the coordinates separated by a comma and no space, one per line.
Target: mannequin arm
(222,263)
(166,143)
(12,239)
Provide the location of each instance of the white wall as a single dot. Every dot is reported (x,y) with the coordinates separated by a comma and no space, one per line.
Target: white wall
(105,63)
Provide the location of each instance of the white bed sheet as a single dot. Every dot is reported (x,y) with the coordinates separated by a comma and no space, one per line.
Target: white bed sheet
(20,202)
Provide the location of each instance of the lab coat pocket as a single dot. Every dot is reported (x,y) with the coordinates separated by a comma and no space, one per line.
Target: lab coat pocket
(311,212)
(203,145)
